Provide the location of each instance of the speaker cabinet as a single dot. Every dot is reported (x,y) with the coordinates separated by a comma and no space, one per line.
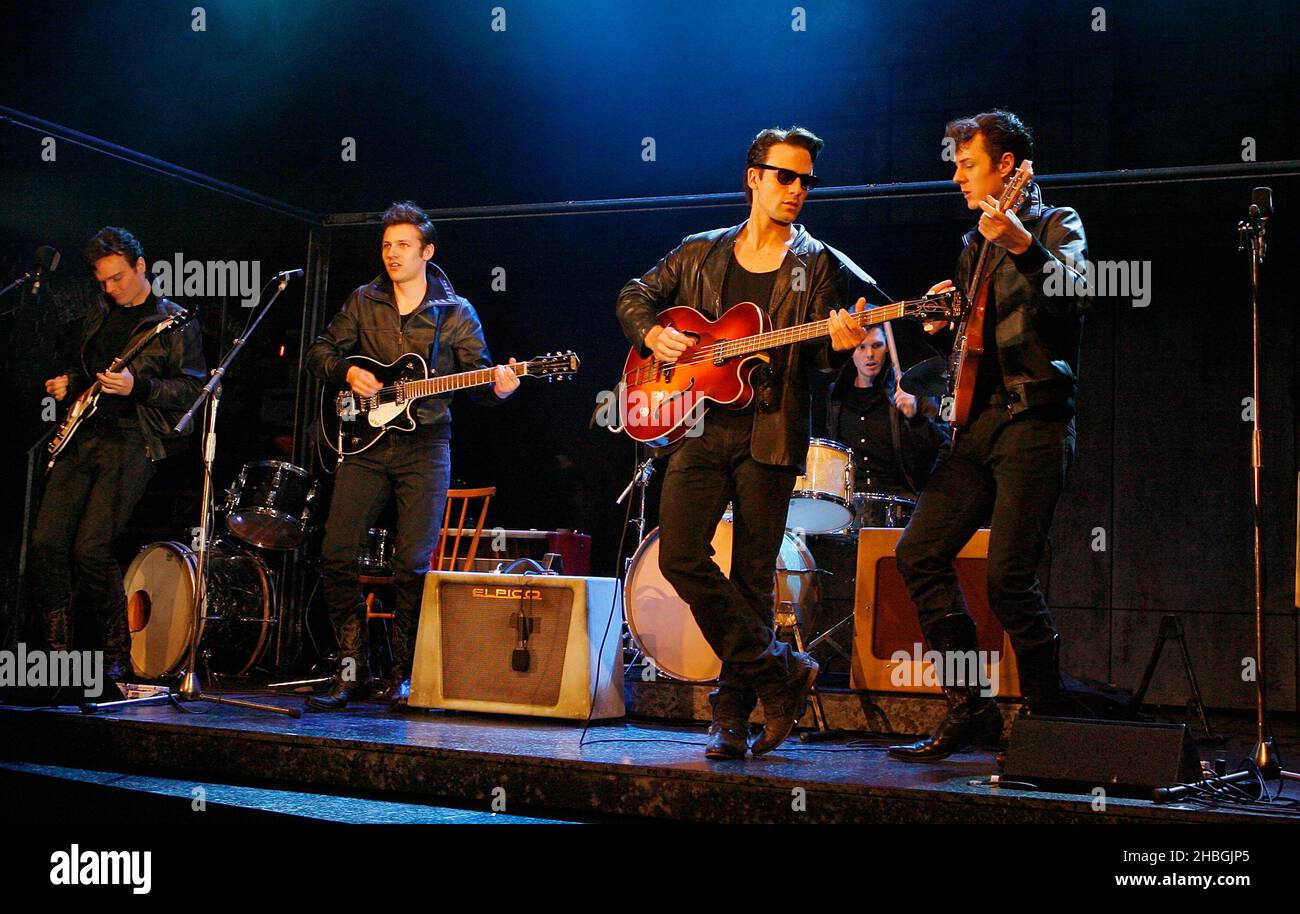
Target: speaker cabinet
(535,645)
(1123,758)
(884,619)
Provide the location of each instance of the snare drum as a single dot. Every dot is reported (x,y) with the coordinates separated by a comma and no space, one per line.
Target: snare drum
(875,509)
(269,505)
(822,501)
(375,559)
(661,623)
(160,610)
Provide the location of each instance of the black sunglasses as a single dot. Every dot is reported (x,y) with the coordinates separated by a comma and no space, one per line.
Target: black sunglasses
(787,176)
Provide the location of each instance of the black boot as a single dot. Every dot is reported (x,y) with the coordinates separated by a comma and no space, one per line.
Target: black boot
(783,708)
(972,718)
(729,732)
(117,646)
(352,682)
(1040,681)
(393,689)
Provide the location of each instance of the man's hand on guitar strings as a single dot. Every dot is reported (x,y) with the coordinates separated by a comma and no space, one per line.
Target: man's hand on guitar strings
(362,382)
(846,333)
(504,381)
(116,382)
(666,344)
(1003,229)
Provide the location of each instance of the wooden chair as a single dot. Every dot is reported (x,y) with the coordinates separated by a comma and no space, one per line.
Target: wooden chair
(454,535)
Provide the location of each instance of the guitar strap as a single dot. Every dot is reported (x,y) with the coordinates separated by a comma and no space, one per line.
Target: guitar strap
(437,339)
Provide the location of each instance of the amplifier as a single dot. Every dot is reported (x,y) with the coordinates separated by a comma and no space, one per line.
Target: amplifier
(884,618)
(1121,757)
(539,645)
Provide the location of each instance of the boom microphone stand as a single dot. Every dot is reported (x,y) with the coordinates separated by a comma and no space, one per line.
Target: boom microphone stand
(191,688)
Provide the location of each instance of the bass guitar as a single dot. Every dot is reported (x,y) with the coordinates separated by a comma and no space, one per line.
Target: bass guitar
(968,348)
(660,402)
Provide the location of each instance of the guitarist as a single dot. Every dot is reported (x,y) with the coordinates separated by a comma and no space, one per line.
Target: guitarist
(1008,465)
(101,476)
(752,456)
(410,308)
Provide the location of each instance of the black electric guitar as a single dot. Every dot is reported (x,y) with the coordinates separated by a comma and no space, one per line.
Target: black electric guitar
(350,423)
(87,402)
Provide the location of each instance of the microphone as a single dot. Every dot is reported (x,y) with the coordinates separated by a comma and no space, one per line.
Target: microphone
(1261,210)
(47,261)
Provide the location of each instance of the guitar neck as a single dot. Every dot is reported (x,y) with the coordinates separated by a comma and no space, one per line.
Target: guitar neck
(430,387)
(790,335)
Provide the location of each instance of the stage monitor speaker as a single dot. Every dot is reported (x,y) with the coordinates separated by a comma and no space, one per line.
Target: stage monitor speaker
(1077,756)
(530,644)
(884,619)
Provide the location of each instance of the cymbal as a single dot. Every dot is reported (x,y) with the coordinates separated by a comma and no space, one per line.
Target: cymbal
(927,379)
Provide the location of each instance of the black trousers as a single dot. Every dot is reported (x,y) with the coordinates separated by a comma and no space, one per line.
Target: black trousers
(415,467)
(1008,473)
(89,497)
(736,614)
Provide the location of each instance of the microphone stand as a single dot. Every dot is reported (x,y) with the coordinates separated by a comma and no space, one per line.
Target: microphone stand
(1251,233)
(191,687)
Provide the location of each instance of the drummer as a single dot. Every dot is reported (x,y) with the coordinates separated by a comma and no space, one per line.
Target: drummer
(895,436)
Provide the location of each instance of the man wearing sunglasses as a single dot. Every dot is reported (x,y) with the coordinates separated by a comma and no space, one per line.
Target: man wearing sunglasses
(749,457)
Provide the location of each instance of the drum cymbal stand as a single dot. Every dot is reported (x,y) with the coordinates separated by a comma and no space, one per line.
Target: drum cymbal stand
(789,619)
(640,481)
(190,688)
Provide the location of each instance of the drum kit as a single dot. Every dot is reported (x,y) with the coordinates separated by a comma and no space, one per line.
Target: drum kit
(824,503)
(267,508)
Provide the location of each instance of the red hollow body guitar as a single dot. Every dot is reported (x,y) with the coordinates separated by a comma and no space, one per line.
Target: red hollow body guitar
(660,402)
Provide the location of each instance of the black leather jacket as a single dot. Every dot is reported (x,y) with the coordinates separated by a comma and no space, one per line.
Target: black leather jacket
(169,373)
(917,441)
(369,324)
(1037,332)
(692,274)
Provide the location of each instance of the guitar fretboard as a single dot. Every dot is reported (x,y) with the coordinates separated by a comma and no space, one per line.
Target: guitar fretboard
(429,387)
(773,338)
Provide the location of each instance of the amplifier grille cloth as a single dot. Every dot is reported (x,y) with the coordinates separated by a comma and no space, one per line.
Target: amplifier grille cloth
(480,634)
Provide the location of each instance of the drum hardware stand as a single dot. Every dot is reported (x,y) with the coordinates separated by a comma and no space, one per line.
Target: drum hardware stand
(1171,626)
(640,481)
(190,688)
(789,618)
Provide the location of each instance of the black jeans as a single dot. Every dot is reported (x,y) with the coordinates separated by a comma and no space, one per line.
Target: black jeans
(416,468)
(736,615)
(89,496)
(1009,473)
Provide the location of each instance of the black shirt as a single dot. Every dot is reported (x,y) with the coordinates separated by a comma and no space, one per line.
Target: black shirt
(108,343)
(741,285)
(864,426)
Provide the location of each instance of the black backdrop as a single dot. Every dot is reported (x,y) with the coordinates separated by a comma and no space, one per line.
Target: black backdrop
(557,107)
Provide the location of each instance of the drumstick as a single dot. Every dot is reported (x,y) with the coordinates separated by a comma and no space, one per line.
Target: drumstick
(893,352)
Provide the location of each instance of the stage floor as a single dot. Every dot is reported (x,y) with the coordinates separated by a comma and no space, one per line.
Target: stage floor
(441,766)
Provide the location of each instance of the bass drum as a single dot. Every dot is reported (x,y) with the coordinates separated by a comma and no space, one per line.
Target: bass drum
(160,610)
(661,623)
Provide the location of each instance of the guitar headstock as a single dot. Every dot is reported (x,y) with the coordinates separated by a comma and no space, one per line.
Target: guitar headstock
(1014,193)
(175,321)
(942,306)
(554,366)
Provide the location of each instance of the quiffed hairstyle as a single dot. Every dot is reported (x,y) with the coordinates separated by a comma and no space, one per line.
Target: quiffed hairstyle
(407,213)
(1003,132)
(111,240)
(766,139)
